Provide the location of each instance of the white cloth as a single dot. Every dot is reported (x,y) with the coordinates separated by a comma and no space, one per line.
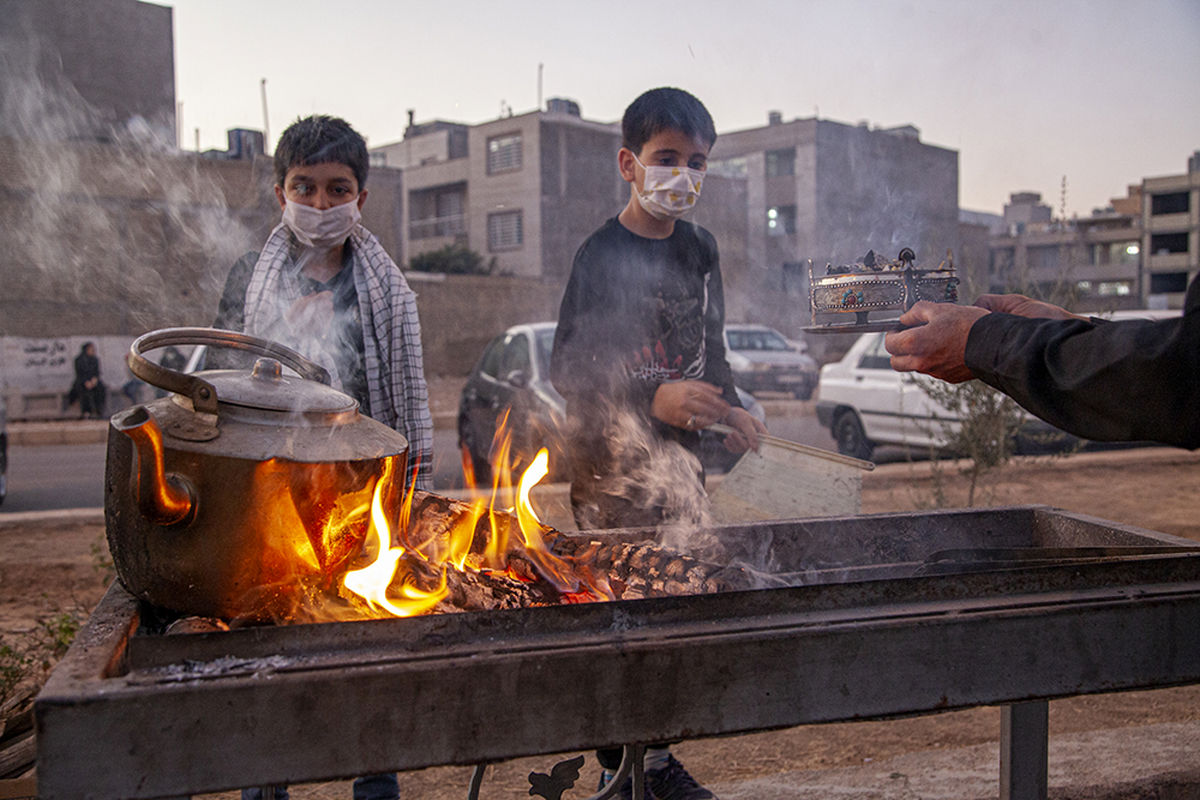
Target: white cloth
(392,356)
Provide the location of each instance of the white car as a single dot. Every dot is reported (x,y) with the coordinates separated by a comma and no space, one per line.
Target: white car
(865,403)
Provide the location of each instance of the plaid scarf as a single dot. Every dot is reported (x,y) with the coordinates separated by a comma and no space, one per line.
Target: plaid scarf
(391,333)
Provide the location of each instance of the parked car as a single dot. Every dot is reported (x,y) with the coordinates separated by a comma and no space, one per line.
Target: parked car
(514,373)
(763,360)
(3,450)
(865,403)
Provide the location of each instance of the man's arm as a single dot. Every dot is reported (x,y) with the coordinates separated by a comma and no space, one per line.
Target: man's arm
(1124,381)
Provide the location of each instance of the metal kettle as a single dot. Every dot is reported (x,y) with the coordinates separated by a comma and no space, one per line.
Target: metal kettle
(242,489)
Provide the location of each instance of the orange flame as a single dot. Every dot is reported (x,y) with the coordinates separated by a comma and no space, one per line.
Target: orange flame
(389,584)
(373,581)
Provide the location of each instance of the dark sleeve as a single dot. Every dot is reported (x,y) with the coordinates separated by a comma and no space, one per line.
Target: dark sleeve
(1114,381)
(231,309)
(716,366)
(231,314)
(586,360)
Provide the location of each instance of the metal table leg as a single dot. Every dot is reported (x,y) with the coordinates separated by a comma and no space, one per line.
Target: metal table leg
(1024,737)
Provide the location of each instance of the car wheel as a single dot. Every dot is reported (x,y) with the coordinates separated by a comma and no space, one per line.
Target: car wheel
(850,437)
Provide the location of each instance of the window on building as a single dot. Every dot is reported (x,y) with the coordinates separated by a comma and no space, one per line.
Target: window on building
(1047,257)
(795,279)
(438,211)
(505,230)
(1173,203)
(781,162)
(1168,282)
(1162,243)
(504,153)
(729,167)
(781,220)
(1114,288)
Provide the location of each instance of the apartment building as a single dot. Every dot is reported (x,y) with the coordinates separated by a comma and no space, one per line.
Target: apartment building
(522,190)
(828,191)
(1089,264)
(1140,252)
(1170,222)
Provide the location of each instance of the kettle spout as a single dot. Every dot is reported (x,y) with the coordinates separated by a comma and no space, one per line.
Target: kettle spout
(163,498)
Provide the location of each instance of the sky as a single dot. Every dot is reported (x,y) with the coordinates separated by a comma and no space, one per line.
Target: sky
(1101,92)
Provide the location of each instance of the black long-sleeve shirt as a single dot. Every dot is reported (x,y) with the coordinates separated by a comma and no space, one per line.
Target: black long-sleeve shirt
(1132,380)
(636,313)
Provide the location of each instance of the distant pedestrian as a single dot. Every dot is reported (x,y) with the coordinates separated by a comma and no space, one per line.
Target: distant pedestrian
(88,389)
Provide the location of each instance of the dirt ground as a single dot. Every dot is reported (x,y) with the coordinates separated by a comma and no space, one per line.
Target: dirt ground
(49,568)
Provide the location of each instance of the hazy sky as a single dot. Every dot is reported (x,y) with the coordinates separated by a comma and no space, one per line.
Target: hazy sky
(1105,92)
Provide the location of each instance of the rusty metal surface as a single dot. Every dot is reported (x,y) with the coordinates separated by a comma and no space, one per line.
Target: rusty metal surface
(170,715)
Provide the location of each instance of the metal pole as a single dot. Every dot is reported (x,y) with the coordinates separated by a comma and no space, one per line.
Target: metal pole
(266,125)
(1024,739)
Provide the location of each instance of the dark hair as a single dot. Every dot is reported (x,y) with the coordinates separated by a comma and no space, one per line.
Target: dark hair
(321,139)
(665,109)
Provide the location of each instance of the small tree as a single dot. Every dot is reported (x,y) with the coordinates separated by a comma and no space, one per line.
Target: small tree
(453,259)
(988,422)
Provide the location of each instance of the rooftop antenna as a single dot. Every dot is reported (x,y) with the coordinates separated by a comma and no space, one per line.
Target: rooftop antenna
(197,140)
(266,126)
(540,66)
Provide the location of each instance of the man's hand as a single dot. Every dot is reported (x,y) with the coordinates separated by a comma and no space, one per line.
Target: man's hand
(1023,306)
(746,430)
(938,346)
(691,405)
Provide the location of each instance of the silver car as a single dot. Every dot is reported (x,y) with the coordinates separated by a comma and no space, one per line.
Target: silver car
(763,360)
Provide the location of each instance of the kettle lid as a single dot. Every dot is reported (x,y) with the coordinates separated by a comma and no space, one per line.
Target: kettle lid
(266,388)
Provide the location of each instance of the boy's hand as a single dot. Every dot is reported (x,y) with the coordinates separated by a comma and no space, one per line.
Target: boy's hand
(690,405)
(746,430)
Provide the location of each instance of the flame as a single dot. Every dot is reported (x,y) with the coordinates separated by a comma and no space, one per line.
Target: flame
(373,581)
(390,584)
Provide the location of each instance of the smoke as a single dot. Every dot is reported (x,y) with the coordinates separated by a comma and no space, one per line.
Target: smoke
(107,217)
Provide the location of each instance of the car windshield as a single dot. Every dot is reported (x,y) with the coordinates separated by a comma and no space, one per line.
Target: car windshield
(756,340)
(545,344)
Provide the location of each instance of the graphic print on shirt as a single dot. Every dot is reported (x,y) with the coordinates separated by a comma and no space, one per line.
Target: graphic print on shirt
(675,347)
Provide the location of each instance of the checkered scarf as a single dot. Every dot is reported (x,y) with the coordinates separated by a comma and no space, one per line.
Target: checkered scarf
(391,333)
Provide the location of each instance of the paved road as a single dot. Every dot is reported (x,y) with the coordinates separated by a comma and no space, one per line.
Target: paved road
(41,478)
(55,476)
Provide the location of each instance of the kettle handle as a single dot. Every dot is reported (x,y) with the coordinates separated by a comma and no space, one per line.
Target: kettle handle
(202,393)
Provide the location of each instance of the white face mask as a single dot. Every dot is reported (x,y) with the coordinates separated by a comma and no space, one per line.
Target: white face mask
(669,192)
(315,227)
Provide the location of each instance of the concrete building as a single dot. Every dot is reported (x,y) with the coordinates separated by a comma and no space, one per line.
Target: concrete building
(102,70)
(829,192)
(1170,222)
(1139,252)
(523,190)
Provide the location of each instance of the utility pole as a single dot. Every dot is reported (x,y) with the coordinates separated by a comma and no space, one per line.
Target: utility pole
(266,125)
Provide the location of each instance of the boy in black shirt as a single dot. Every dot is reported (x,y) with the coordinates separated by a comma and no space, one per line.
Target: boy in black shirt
(639,354)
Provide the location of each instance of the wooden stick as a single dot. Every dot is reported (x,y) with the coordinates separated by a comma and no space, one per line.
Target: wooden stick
(787,444)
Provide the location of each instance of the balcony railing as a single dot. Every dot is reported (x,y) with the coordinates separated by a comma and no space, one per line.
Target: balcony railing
(431,227)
